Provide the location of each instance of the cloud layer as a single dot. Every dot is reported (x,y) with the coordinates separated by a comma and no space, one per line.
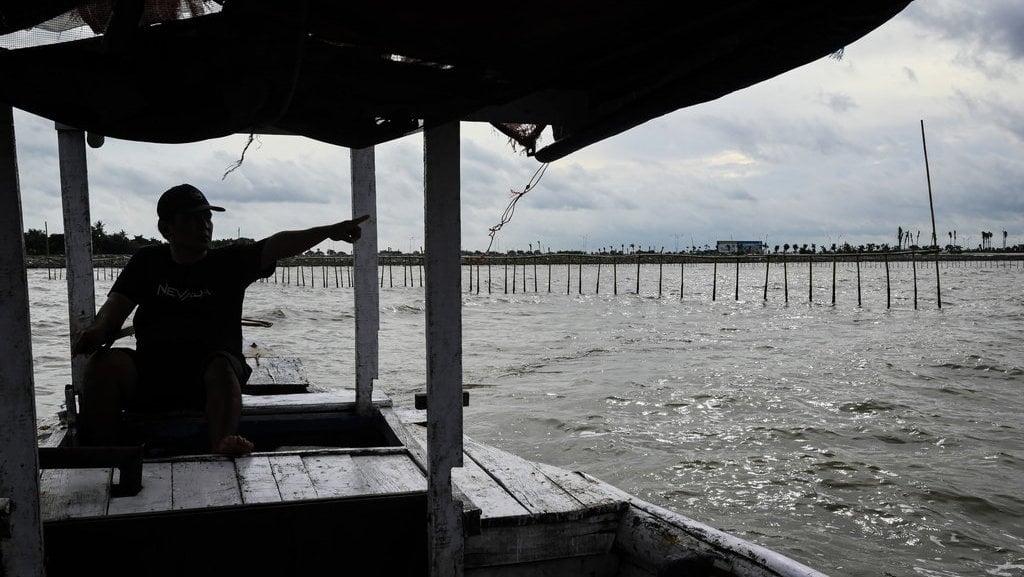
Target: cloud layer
(827,153)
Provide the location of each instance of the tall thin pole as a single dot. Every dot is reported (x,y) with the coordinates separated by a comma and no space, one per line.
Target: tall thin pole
(46,232)
(74,192)
(365,260)
(443,319)
(21,549)
(931,205)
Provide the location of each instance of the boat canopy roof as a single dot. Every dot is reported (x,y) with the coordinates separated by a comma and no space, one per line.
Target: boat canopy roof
(360,73)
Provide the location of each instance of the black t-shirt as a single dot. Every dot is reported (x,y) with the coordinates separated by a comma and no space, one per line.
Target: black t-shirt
(190,309)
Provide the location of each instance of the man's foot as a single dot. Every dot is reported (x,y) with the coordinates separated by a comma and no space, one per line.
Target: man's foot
(234,445)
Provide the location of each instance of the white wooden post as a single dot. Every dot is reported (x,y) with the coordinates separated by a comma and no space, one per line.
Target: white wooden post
(74,189)
(22,552)
(442,245)
(364,263)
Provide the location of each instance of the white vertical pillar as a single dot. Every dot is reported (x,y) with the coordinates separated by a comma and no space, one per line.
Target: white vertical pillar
(442,245)
(74,189)
(22,552)
(367,291)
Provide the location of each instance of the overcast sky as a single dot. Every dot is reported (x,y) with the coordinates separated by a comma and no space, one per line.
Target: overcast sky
(828,153)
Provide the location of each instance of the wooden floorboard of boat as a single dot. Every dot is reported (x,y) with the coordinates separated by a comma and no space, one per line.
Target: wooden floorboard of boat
(342,400)
(205,482)
(511,489)
(532,514)
(528,512)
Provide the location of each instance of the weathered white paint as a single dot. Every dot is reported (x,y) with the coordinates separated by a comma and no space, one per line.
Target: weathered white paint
(472,484)
(367,291)
(202,484)
(340,400)
(443,263)
(74,188)
(22,553)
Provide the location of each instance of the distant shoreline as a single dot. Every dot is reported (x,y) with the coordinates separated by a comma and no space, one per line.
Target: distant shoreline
(118,261)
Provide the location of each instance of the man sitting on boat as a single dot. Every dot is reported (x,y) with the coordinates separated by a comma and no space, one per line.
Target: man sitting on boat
(188,331)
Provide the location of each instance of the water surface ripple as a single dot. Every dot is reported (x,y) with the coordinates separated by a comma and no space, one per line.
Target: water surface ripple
(861,440)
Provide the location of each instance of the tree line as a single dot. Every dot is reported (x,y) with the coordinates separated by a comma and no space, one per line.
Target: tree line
(38,243)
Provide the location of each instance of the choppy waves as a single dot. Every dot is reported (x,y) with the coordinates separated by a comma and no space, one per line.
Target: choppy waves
(862,441)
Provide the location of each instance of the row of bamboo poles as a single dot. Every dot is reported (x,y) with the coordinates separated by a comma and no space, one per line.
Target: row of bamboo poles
(514,272)
(736,261)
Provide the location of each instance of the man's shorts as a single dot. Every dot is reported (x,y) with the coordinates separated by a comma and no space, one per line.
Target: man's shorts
(171,382)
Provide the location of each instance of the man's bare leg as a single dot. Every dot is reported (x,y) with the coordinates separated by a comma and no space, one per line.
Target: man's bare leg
(110,377)
(224,408)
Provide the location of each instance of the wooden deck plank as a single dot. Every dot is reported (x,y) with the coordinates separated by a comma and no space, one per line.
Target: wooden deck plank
(590,493)
(322,401)
(204,483)
(527,483)
(155,494)
(73,493)
(335,476)
(510,544)
(474,482)
(256,480)
(494,501)
(413,435)
(293,480)
(390,474)
(277,371)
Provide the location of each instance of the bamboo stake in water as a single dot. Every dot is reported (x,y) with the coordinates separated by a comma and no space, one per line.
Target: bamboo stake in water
(858,280)
(888,294)
(737,278)
(682,276)
(767,262)
(810,279)
(833,280)
(714,280)
(785,279)
(931,205)
(913,261)
(637,274)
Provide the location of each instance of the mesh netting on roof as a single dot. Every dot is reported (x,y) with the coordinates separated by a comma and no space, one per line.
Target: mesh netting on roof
(525,135)
(90,18)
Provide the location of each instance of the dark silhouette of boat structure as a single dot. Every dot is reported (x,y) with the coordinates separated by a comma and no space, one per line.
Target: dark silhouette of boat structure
(342,480)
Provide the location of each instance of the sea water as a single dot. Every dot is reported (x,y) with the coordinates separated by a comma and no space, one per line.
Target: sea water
(879,438)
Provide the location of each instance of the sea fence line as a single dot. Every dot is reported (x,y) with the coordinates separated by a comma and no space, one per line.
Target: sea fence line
(585,273)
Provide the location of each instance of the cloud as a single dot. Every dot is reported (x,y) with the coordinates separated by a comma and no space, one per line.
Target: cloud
(987,38)
(828,152)
(838,103)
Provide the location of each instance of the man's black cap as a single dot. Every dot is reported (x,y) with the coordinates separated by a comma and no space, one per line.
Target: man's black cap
(183,198)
